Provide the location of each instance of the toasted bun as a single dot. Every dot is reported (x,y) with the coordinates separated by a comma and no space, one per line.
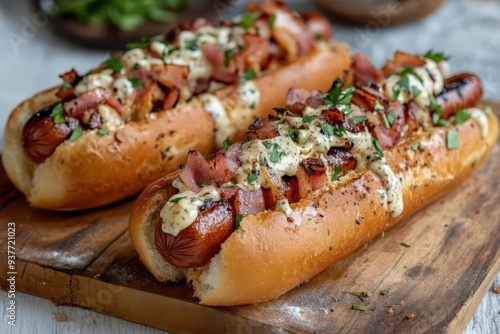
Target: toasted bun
(95,170)
(271,253)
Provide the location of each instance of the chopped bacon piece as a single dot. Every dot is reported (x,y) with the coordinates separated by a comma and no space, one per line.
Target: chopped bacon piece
(292,188)
(255,54)
(304,185)
(289,29)
(412,117)
(202,86)
(364,71)
(95,121)
(89,100)
(228,193)
(262,130)
(316,172)
(70,77)
(65,93)
(225,163)
(339,157)
(115,104)
(170,75)
(297,99)
(332,116)
(402,60)
(276,190)
(171,99)
(196,171)
(365,98)
(249,202)
(389,137)
(318,25)
(215,56)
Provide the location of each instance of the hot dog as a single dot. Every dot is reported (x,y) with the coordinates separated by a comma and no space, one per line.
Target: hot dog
(105,135)
(309,186)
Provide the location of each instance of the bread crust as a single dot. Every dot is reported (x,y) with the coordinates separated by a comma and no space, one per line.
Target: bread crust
(96,170)
(270,253)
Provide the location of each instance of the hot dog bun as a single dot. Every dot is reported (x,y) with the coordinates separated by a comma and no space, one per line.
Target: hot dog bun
(270,254)
(78,174)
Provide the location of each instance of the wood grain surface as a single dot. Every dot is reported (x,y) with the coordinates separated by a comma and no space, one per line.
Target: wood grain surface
(86,259)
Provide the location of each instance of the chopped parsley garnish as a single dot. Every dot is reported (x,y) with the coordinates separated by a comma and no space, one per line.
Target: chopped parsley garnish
(238,220)
(404,245)
(384,292)
(267,143)
(461,116)
(285,112)
(378,106)
(66,84)
(359,119)
(409,70)
(340,98)
(248,18)
(294,135)
(443,122)
(136,82)
(139,45)
(226,143)
(414,91)
(114,63)
(355,293)
(57,114)
(486,111)
(77,133)
(379,153)
(204,184)
(248,76)
(391,117)
(272,20)
(261,161)
(251,178)
(336,171)
(191,44)
(177,199)
(436,56)
(385,120)
(358,307)
(227,56)
(275,153)
(308,119)
(452,139)
(103,132)
(330,131)
(415,146)
(437,112)
(318,37)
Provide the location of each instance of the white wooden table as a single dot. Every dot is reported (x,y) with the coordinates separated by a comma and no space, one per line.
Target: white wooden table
(31,58)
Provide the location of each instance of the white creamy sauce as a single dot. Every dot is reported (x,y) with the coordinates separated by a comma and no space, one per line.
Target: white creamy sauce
(223,128)
(429,83)
(481,119)
(93,81)
(111,119)
(284,206)
(135,57)
(182,209)
(123,88)
(249,94)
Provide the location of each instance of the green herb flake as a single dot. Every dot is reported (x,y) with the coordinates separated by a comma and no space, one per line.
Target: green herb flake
(415,146)
(461,116)
(336,171)
(275,153)
(204,183)
(443,123)
(238,220)
(261,161)
(136,82)
(177,199)
(404,245)
(191,44)
(355,293)
(282,119)
(248,76)
(378,106)
(57,114)
(227,56)
(452,139)
(391,117)
(267,143)
(359,119)
(308,119)
(139,45)
(437,112)
(379,153)
(410,71)
(77,133)
(272,20)
(486,111)
(330,131)
(384,292)
(358,307)
(436,56)
(103,132)
(114,63)
(385,121)
(294,135)
(414,91)
(226,143)
(66,84)
(318,37)
(251,178)
(248,18)
(332,97)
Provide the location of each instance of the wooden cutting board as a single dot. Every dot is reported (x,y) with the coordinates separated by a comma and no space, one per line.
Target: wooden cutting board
(86,259)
